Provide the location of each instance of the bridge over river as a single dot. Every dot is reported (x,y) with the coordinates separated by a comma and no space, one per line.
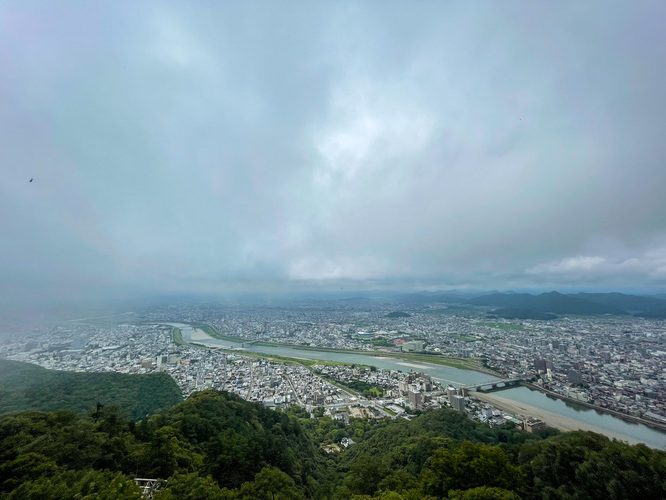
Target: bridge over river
(493,384)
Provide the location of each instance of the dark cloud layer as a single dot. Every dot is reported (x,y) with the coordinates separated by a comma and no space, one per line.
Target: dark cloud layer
(210,147)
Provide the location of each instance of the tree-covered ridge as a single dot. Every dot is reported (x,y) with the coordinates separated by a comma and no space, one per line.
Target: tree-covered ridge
(24,386)
(217,446)
(214,445)
(444,455)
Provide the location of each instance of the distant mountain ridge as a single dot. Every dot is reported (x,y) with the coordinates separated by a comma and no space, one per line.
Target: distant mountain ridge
(619,304)
(551,302)
(624,301)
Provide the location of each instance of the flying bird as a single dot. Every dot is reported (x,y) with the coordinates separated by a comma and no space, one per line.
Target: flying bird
(31,179)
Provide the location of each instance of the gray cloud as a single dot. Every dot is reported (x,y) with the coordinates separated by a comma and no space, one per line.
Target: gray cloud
(209,148)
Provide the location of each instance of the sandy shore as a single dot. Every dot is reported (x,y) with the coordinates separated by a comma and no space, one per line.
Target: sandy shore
(198,334)
(412,365)
(522,410)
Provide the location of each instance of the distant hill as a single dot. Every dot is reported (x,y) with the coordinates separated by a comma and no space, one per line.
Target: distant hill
(551,302)
(398,314)
(653,314)
(624,301)
(507,313)
(24,386)
(522,305)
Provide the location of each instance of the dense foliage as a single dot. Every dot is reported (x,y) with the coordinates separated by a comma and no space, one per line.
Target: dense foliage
(358,386)
(217,446)
(24,386)
(214,445)
(445,455)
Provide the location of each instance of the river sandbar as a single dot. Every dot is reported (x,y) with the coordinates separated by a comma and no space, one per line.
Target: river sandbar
(199,334)
(412,365)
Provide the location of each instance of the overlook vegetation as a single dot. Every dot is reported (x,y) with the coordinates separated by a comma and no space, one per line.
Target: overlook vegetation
(24,386)
(217,446)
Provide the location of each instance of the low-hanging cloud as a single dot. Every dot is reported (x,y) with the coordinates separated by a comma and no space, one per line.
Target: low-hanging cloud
(647,266)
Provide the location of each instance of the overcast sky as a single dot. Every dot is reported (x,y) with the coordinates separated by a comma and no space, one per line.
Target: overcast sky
(214,147)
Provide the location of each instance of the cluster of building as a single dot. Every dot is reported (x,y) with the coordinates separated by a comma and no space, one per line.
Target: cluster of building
(149,348)
(611,362)
(617,363)
(401,392)
(125,348)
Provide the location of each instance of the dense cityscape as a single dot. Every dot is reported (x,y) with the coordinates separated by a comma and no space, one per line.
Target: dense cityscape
(614,363)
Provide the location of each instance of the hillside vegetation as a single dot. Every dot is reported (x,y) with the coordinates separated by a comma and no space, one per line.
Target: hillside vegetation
(24,386)
(217,446)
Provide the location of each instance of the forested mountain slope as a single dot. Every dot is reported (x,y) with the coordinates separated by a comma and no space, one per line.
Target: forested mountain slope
(217,446)
(24,386)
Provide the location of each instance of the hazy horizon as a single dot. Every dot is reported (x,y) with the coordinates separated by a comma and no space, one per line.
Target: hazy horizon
(217,150)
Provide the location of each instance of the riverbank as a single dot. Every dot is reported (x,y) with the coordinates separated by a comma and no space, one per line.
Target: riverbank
(523,411)
(208,331)
(442,372)
(178,337)
(627,418)
(199,337)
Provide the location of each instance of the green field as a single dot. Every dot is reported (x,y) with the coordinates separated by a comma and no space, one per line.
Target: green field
(339,384)
(213,332)
(178,337)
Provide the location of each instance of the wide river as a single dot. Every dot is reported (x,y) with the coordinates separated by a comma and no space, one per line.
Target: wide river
(459,377)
